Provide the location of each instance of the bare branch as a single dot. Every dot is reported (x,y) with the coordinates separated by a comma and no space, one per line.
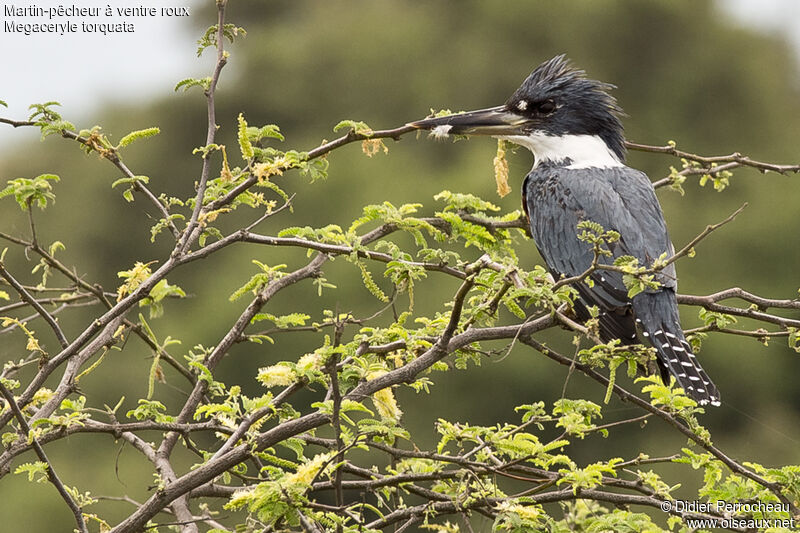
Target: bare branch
(264,295)
(709,229)
(736,159)
(51,473)
(190,233)
(25,295)
(320,151)
(624,395)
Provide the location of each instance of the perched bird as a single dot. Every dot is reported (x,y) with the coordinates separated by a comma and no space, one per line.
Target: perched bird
(571,125)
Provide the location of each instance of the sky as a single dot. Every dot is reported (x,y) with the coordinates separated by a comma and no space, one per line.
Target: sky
(781,16)
(85,69)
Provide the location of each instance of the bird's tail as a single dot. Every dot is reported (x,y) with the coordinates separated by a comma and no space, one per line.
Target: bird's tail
(657,314)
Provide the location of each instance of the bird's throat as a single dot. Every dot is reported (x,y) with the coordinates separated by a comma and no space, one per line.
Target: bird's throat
(570,151)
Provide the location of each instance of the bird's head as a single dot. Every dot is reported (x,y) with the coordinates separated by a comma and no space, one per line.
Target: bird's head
(557,113)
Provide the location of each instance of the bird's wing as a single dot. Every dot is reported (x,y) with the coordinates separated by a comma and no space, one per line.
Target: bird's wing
(620,199)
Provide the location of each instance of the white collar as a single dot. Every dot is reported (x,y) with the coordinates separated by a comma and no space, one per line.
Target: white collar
(583,151)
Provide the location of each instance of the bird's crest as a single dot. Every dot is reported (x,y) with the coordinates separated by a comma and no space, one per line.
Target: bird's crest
(557,79)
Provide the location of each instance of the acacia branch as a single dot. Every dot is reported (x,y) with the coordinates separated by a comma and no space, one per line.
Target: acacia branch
(705,233)
(61,267)
(98,292)
(96,325)
(626,396)
(16,123)
(210,362)
(76,299)
(317,152)
(305,423)
(709,303)
(735,159)
(25,295)
(192,229)
(138,185)
(687,249)
(340,249)
(456,335)
(52,476)
(109,154)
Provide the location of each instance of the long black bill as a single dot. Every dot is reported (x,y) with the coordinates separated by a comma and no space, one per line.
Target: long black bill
(493,121)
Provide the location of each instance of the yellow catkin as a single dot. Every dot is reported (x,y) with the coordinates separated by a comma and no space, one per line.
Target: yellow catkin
(276,376)
(529,513)
(370,147)
(306,472)
(501,169)
(310,361)
(384,401)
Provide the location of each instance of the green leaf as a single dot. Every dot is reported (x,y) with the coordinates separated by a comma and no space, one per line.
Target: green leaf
(589,477)
(130,180)
(269,131)
(370,284)
(794,338)
(358,127)
(157,294)
(163,223)
(513,517)
(576,416)
(284,321)
(209,38)
(244,141)
(259,280)
(28,192)
(37,471)
(48,119)
(188,83)
(150,410)
(138,134)
(715,319)
(671,398)
(55,247)
(465,202)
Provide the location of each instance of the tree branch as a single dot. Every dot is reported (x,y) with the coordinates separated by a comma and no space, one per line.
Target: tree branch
(51,473)
(190,233)
(736,159)
(25,295)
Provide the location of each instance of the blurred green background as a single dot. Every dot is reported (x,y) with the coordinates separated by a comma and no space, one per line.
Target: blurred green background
(685,71)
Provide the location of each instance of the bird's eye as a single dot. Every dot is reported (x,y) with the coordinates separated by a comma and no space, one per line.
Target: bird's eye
(546,107)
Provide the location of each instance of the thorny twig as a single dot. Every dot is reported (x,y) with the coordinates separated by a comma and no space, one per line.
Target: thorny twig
(457,334)
(51,473)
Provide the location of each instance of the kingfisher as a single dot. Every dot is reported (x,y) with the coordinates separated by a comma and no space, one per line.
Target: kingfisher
(572,126)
